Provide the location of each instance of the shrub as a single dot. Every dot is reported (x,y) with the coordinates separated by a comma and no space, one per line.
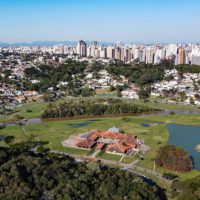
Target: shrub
(9,139)
(170,176)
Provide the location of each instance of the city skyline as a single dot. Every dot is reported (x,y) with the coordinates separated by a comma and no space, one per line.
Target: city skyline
(128,21)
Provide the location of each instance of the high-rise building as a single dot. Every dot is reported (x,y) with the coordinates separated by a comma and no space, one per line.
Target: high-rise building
(180,58)
(128,55)
(159,55)
(149,55)
(97,53)
(110,52)
(195,56)
(142,55)
(95,43)
(117,53)
(136,53)
(89,51)
(82,48)
(103,53)
(123,54)
(171,50)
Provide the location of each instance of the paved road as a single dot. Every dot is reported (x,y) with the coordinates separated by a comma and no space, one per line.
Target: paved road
(153,173)
(127,167)
(132,166)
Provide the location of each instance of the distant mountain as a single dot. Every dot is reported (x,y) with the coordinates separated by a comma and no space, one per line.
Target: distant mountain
(38,43)
(46,43)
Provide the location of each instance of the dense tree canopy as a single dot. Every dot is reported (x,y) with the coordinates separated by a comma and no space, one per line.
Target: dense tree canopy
(171,157)
(188,69)
(50,76)
(187,190)
(70,109)
(141,73)
(28,175)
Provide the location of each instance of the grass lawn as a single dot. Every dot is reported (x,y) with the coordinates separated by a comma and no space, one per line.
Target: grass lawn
(108,156)
(154,136)
(28,110)
(128,159)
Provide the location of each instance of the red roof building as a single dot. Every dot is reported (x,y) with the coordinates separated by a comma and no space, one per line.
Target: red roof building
(116,142)
(100,146)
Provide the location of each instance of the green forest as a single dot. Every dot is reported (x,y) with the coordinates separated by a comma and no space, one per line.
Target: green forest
(26,174)
(70,109)
(187,190)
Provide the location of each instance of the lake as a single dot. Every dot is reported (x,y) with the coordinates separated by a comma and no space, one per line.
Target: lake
(188,137)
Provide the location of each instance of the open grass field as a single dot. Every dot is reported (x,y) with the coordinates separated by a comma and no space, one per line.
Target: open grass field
(154,136)
(28,110)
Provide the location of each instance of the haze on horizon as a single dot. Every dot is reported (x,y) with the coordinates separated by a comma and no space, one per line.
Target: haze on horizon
(144,21)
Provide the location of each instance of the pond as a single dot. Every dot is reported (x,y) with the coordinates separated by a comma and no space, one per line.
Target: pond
(188,137)
(83,124)
(145,125)
(1,138)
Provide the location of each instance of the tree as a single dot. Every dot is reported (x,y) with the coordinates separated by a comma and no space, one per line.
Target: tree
(44,175)
(87,92)
(2,126)
(143,94)
(189,189)
(93,107)
(112,88)
(47,97)
(119,89)
(183,96)
(4,109)
(170,176)
(169,78)
(192,101)
(197,97)
(175,158)
(119,94)
(9,139)
(17,117)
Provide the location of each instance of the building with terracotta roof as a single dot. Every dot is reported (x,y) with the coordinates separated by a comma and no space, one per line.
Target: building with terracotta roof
(111,140)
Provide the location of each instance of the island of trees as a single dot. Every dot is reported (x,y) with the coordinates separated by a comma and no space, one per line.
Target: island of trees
(27,174)
(174,158)
(72,108)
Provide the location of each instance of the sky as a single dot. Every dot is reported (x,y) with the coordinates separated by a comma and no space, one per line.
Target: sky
(137,21)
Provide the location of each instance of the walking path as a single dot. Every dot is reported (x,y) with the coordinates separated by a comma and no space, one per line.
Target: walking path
(95,153)
(121,158)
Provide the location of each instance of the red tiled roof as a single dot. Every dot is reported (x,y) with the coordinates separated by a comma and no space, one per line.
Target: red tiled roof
(124,143)
(118,147)
(93,136)
(111,135)
(100,146)
(129,141)
(85,143)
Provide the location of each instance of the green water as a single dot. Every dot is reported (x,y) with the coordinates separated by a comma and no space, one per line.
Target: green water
(188,137)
